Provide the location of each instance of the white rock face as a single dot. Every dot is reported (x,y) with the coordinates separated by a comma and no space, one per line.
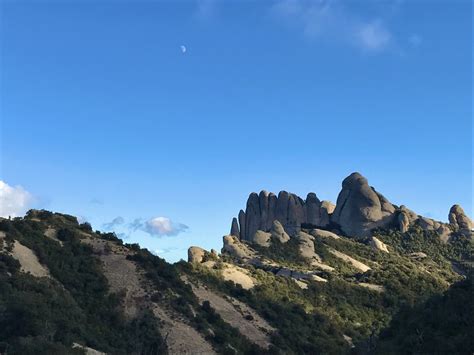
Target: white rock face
(378,245)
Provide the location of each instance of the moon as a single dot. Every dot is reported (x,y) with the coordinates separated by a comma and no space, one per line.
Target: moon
(183,49)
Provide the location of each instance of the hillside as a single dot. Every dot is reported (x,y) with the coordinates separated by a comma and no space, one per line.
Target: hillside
(294,277)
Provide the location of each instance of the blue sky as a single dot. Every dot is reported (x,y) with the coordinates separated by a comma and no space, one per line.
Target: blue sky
(105,117)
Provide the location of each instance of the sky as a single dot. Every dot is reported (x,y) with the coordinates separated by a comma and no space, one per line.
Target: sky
(156,119)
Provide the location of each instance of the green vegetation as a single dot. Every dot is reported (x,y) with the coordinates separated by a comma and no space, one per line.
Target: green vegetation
(444,324)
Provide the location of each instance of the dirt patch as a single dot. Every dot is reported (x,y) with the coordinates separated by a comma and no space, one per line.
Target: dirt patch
(28,260)
(238,315)
(52,234)
(180,337)
(125,277)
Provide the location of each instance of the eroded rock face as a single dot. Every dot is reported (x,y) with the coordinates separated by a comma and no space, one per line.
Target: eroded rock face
(289,209)
(196,254)
(359,208)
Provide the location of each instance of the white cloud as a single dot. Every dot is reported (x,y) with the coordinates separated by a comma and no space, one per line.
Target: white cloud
(333,21)
(158,226)
(14,200)
(373,36)
(161,226)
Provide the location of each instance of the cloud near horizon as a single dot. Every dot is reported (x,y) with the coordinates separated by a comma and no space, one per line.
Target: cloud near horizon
(14,200)
(158,226)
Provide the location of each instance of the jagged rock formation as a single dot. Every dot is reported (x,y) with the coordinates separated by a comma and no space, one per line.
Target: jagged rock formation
(360,208)
(289,209)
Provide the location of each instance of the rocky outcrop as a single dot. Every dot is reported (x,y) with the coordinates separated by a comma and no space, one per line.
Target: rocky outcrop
(287,208)
(360,208)
(459,221)
(196,254)
(278,232)
(378,245)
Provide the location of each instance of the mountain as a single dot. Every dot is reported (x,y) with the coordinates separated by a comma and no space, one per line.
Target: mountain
(294,276)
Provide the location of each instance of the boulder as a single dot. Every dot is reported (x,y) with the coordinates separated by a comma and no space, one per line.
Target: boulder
(378,245)
(278,232)
(359,208)
(196,254)
(261,238)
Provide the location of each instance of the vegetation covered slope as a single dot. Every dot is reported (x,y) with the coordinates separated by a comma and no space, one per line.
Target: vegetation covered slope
(82,301)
